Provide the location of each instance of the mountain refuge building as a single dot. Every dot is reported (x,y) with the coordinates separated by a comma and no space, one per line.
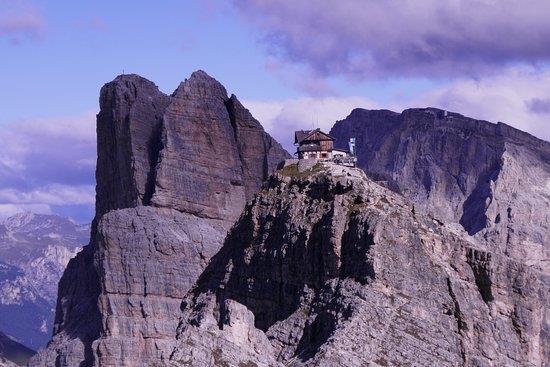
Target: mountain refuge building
(316,144)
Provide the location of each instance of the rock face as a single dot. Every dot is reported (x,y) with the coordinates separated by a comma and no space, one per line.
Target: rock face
(491,178)
(327,268)
(173,174)
(34,251)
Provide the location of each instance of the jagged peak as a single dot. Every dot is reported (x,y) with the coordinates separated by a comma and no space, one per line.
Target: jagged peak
(135,79)
(360,111)
(127,85)
(201,84)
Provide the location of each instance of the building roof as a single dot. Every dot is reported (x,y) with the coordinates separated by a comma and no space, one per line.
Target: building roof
(305,135)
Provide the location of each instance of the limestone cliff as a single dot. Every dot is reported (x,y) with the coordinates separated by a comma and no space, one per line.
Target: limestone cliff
(491,178)
(173,174)
(445,263)
(325,267)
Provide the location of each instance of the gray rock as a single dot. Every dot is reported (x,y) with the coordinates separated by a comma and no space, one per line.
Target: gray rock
(325,267)
(173,174)
(491,178)
(149,258)
(331,269)
(128,141)
(215,154)
(6,363)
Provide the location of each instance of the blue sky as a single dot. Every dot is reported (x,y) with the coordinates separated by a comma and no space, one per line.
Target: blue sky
(291,63)
(87,43)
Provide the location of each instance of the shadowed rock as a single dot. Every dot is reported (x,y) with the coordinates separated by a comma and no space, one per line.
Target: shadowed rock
(491,178)
(327,268)
(172,176)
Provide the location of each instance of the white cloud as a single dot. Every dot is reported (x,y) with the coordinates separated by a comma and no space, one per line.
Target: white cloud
(379,38)
(281,118)
(46,162)
(507,97)
(18,19)
(7,210)
(50,195)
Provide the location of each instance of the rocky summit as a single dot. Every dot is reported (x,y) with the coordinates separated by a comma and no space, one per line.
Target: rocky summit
(173,174)
(326,267)
(492,179)
(433,253)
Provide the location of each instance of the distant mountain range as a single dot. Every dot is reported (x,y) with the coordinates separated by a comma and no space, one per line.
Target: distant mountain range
(34,251)
(12,352)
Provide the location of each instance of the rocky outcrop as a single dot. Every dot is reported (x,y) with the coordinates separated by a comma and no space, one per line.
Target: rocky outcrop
(129,127)
(327,268)
(34,251)
(491,178)
(173,174)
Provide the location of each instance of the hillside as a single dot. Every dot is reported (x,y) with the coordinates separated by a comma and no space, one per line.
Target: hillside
(328,268)
(12,353)
(34,251)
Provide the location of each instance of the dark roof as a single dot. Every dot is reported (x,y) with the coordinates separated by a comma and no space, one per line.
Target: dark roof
(302,135)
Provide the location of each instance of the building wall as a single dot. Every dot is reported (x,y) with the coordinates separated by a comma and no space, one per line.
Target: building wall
(316,155)
(327,144)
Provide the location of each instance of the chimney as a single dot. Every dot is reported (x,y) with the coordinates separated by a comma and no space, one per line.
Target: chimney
(351,145)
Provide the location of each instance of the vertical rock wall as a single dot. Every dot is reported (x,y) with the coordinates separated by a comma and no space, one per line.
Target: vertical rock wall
(492,179)
(171,180)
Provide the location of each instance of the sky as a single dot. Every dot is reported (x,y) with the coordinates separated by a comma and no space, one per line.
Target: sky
(294,64)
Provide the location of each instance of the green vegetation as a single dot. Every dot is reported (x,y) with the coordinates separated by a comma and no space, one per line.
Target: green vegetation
(292,170)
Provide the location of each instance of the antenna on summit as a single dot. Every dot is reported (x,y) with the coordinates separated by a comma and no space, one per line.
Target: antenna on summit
(316,118)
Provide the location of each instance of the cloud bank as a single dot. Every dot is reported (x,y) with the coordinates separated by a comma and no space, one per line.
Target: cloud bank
(281,118)
(380,38)
(513,97)
(46,163)
(20,20)
(517,97)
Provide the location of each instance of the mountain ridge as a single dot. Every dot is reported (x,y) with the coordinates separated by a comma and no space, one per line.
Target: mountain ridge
(13,353)
(327,268)
(34,250)
(487,177)
(316,266)
(173,173)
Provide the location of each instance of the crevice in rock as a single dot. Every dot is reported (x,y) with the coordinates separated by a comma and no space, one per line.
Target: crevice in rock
(479,262)
(233,121)
(356,245)
(315,335)
(154,147)
(460,322)
(474,209)
(267,148)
